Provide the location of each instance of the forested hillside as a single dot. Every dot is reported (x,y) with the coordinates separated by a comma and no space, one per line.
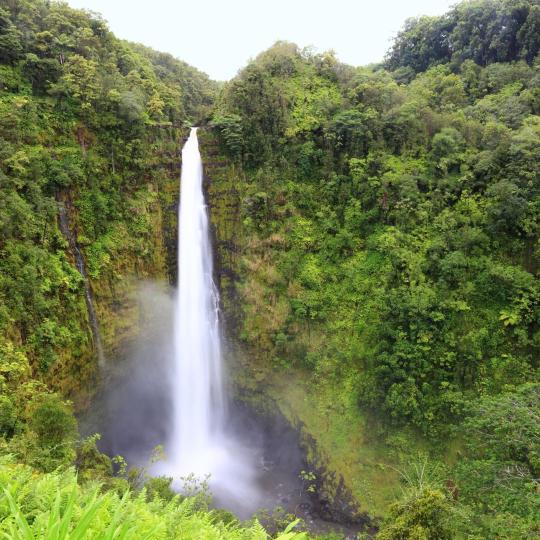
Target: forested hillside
(89,129)
(378,251)
(389,260)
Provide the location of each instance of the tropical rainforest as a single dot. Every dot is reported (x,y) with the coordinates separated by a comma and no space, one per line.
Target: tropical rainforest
(378,237)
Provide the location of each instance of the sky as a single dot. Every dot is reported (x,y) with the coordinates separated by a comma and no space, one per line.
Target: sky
(220,36)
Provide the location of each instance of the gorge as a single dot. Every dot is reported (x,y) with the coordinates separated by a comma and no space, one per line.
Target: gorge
(173,382)
(362,253)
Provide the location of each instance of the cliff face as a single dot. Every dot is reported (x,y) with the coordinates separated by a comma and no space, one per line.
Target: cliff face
(110,314)
(222,182)
(342,468)
(153,256)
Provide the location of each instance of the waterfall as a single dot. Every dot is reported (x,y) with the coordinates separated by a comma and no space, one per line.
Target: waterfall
(174,393)
(198,442)
(198,386)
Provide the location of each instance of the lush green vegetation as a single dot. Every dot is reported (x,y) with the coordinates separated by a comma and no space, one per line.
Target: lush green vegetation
(89,131)
(55,506)
(90,123)
(390,247)
(385,253)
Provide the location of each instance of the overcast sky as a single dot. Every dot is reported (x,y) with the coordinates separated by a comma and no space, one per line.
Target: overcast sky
(220,36)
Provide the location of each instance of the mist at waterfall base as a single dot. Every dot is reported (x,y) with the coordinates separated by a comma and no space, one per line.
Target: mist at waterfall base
(175,391)
(261,461)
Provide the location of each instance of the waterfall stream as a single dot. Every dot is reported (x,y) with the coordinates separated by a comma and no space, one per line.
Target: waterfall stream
(198,398)
(198,442)
(70,236)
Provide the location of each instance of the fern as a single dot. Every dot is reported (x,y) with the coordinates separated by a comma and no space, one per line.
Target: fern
(54,506)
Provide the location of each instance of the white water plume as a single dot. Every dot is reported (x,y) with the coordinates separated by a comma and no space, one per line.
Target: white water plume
(198,443)
(198,399)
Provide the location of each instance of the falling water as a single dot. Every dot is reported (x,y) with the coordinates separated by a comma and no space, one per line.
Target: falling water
(198,386)
(198,443)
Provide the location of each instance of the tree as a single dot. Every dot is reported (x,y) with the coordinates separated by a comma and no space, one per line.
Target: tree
(529,35)
(425,516)
(51,421)
(506,428)
(10,39)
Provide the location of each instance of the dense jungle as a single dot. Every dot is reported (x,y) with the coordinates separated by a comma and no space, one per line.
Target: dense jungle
(376,234)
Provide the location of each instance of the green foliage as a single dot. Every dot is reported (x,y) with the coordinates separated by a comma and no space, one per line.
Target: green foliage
(160,487)
(483,31)
(415,180)
(10,39)
(423,517)
(55,506)
(426,509)
(507,428)
(86,125)
(389,246)
(92,464)
(502,435)
(230,128)
(51,420)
